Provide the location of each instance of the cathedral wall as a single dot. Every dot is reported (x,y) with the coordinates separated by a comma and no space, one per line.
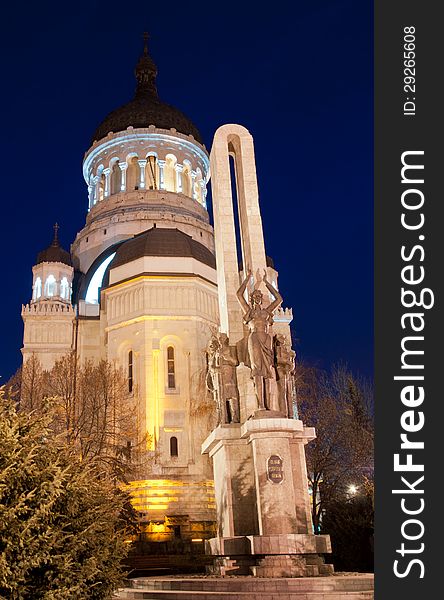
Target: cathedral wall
(181,267)
(168,362)
(90,344)
(122,216)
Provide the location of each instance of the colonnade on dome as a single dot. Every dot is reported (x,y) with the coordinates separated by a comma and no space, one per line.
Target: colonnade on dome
(148,159)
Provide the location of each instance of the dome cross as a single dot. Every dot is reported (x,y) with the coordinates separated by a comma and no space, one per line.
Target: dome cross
(55,241)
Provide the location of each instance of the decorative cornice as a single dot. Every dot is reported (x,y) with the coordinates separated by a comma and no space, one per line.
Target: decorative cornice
(47,307)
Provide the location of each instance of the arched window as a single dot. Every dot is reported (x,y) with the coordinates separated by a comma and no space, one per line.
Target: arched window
(170,173)
(186,180)
(101,187)
(37,288)
(197,186)
(174,450)
(50,286)
(130,371)
(171,368)
(92,293)
(132,175)
(152,173)
(64,289)
(116,180)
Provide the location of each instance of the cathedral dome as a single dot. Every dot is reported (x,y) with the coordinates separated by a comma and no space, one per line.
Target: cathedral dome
(54,252)
(160,241)
(146,108)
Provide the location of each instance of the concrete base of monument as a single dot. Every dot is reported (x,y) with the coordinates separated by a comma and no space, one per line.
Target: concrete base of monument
(342,586)
(283,555)
(262,413)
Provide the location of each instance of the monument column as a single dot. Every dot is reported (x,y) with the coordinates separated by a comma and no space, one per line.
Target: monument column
(260,476)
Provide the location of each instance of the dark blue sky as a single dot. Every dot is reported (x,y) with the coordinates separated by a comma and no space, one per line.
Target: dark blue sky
(297,74)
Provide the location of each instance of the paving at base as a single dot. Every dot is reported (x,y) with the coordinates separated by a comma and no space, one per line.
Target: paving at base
(351,586)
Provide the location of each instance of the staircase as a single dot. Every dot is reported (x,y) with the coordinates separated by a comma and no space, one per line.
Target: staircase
(338,587)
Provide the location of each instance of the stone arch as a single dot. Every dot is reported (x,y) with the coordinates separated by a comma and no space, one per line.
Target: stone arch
(50,286)
(152,171)
(174,446)
(186,178)
(197,186)
(174,342)
(100,193)
(37,288)
(65,291)
(132,173)
(170,172)
(236,141)
(115,177)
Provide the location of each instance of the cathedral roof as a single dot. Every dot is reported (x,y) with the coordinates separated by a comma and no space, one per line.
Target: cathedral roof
(146,108)
(160,241)
(54,252)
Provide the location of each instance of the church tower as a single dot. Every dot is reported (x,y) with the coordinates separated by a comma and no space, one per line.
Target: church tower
(144,296)
(49,317)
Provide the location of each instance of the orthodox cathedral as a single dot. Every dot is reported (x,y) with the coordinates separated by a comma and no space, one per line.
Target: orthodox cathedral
(145,286)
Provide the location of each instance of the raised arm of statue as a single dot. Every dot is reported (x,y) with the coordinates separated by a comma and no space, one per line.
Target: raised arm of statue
(278,298)
(240,293)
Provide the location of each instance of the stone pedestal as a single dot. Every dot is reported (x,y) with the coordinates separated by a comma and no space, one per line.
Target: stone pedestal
(234,486)
(263,505)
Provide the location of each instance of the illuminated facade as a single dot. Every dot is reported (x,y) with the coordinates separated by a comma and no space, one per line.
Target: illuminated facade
(139,288)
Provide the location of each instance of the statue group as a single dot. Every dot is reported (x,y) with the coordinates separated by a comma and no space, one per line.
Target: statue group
(221,378)
(270,359)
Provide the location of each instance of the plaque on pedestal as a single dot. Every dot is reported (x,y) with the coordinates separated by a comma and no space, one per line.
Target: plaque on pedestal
(275,472)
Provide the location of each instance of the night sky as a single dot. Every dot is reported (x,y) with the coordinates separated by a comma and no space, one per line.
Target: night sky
(297,74)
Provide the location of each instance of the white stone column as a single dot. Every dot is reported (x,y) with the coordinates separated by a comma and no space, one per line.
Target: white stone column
(96,182)
(90,196)
(193,175)
(203,191)
(107,173)
(178,169)
(123,167)
(161,164)
(142,165)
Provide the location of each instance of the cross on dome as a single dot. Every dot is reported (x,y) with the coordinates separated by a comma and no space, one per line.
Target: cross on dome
(146,108)
(55,241)
(146,72)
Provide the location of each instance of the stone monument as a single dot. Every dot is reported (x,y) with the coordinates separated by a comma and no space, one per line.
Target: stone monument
(261,488)
(221,378)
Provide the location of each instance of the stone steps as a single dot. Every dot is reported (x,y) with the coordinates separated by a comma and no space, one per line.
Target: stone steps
(131,594)
(351,587)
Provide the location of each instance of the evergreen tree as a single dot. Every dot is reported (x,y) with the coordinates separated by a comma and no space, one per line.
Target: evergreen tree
(63,524)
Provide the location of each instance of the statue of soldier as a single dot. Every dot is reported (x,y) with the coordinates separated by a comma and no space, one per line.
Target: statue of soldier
(221,378)
(284,360)
(228,362)
(212,379)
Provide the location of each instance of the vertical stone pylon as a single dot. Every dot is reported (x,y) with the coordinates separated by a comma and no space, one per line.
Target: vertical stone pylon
(260,475)
(236,141)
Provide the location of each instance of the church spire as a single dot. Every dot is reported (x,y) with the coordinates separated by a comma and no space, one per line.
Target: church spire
(146,72)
